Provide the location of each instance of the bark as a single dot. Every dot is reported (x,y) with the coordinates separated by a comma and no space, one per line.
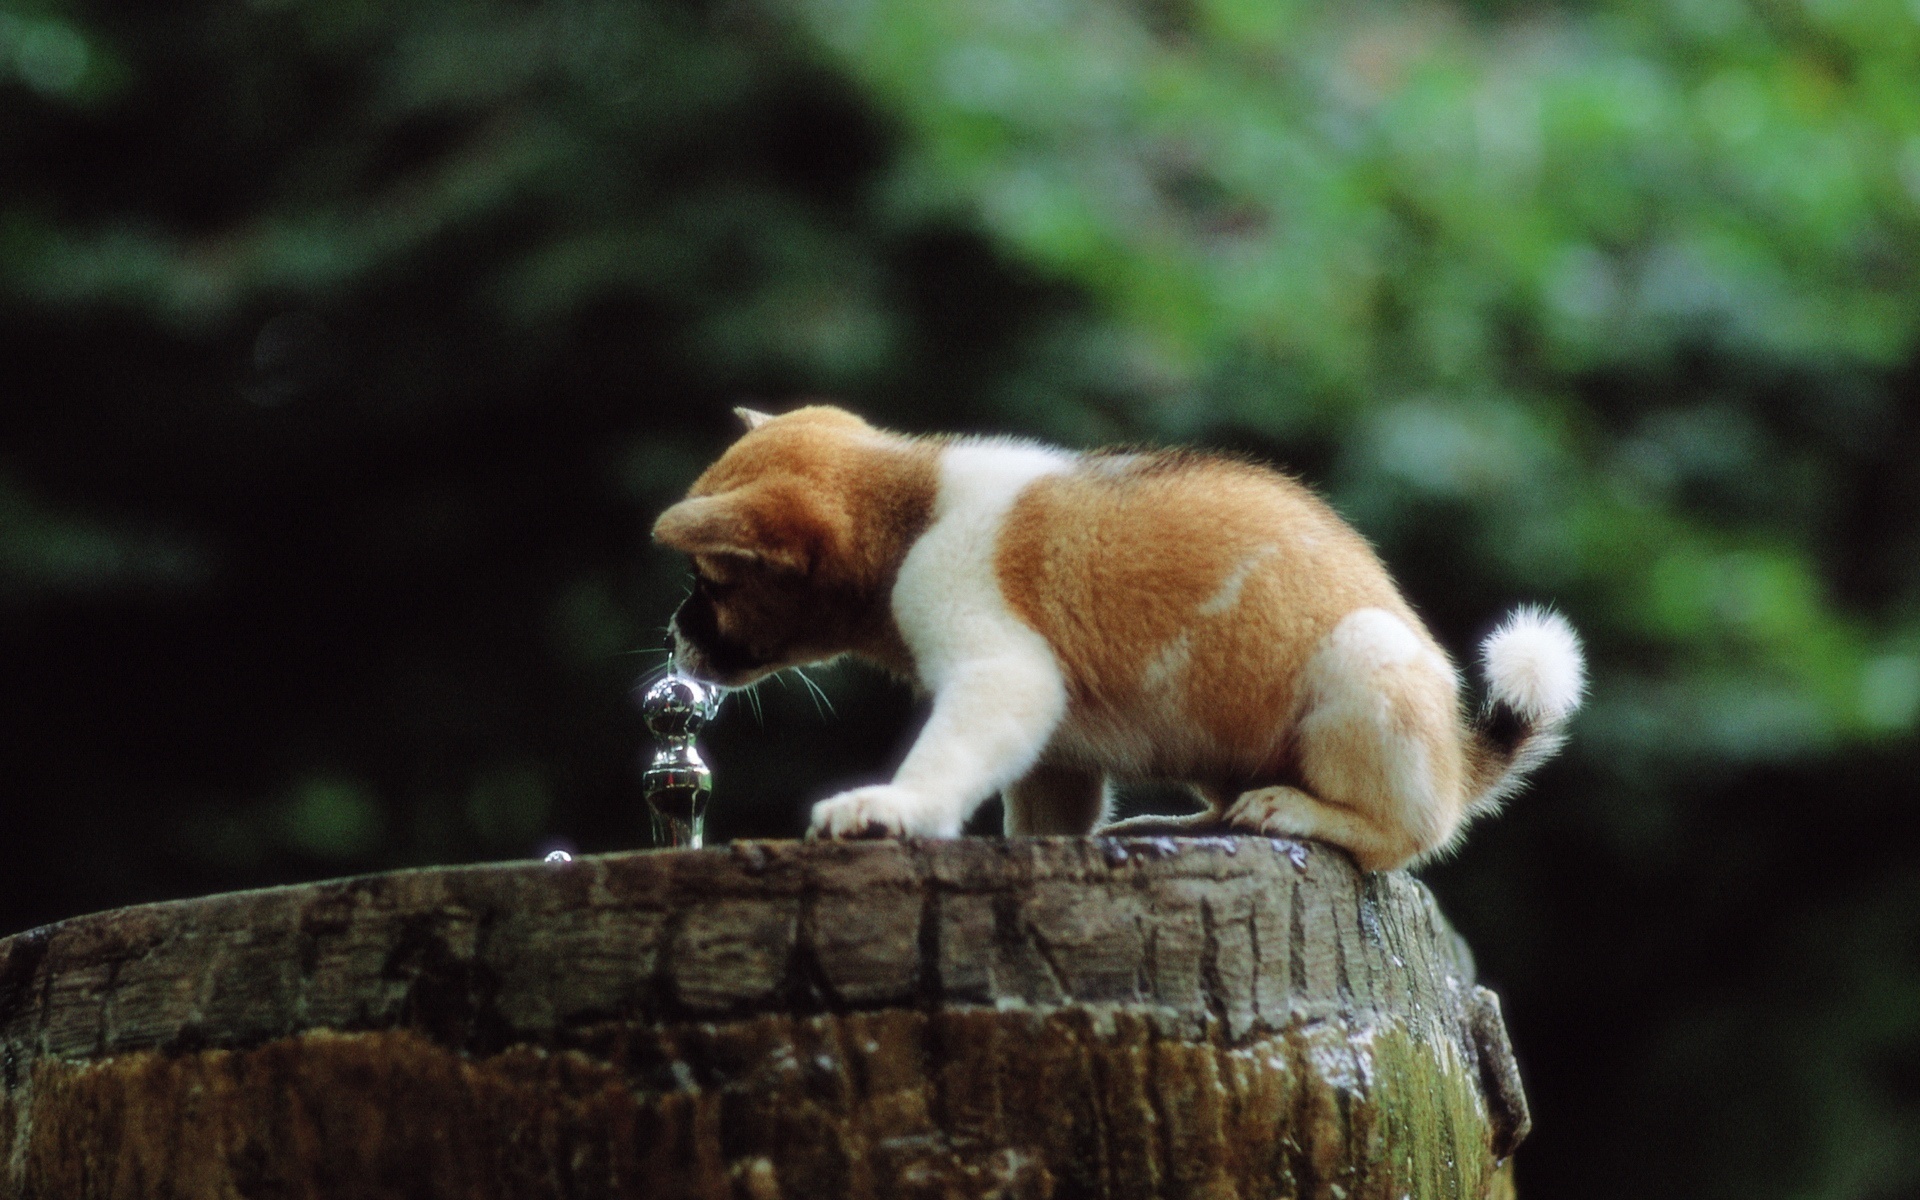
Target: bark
(1032,1018)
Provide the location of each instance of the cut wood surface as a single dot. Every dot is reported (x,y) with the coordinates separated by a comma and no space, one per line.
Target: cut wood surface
(1049,1017)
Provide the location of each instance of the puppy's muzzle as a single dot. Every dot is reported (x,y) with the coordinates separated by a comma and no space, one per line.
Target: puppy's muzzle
(702,651)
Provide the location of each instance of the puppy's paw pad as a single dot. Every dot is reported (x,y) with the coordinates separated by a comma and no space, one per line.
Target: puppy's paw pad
(1275,812)
(882,811)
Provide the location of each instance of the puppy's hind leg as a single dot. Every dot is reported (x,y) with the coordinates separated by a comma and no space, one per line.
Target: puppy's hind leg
(1289,812)
(1378,748)
(1053,799)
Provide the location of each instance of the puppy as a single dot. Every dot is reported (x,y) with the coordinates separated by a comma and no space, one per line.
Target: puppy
(1085,618)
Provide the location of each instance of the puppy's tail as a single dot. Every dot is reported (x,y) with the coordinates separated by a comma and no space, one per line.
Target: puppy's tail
(1535,674)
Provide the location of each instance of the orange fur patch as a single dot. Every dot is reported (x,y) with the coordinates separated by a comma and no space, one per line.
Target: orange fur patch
(1200,582)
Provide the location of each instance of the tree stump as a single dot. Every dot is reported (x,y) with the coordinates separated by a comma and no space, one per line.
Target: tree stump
(964,1019)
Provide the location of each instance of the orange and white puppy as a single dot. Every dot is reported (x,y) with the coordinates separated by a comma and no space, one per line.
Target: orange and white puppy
(1081,618)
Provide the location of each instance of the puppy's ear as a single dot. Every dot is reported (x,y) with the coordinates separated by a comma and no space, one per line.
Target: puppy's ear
(725,525)
(706,525)
(751,419)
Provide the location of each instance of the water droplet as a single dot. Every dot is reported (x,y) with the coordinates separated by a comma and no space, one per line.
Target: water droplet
(557,856)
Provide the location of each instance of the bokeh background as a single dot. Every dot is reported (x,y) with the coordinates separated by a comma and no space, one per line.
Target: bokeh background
(347,351)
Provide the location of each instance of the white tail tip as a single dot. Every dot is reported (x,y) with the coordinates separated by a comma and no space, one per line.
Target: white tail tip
(1534,665)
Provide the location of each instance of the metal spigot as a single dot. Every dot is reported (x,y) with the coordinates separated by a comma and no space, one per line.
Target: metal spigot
(677,781)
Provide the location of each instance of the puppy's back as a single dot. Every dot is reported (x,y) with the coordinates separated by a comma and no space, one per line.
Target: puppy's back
(1187,586)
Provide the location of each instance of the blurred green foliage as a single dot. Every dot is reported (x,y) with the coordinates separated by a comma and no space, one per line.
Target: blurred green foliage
(346,351)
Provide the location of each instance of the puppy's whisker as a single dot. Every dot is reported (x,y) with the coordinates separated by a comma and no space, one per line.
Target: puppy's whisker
(819,695)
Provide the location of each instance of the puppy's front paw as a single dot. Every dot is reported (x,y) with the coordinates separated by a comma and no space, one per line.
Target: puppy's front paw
(870,812)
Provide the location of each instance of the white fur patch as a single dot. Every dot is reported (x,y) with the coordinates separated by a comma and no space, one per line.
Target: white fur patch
(997,688)
(1368,639)
(1355,745)
(1228,594)
(1168,665)
(1533,664)
(947,598)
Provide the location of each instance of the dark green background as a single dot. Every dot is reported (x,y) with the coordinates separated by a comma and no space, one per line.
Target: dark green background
(348,349)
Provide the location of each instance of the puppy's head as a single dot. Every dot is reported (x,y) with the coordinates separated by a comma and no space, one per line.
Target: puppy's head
(769,533)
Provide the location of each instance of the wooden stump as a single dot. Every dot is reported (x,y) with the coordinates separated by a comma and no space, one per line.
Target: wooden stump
(958,1019)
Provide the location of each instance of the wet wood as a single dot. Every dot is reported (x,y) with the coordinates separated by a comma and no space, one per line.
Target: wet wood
(965,1019)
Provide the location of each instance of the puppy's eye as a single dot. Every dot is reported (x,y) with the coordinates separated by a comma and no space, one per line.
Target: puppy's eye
(718,574)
